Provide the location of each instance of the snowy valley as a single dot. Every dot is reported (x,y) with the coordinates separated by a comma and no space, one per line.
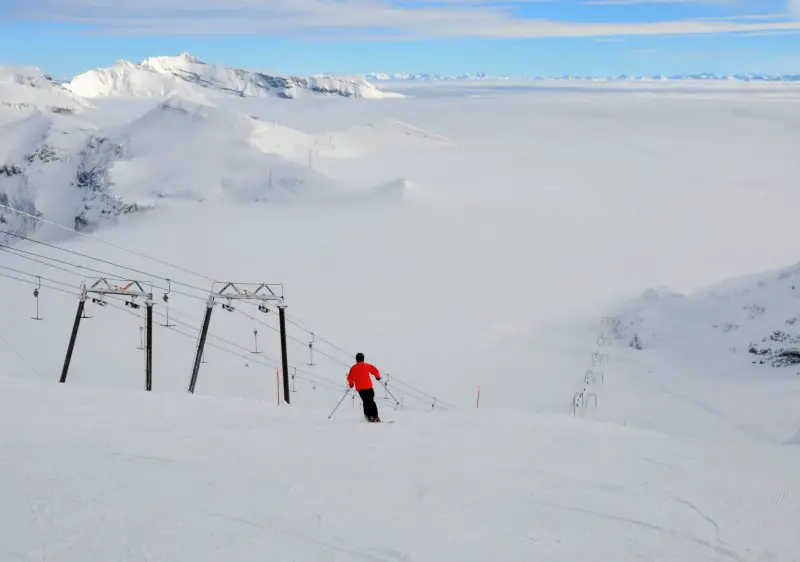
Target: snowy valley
(585,302)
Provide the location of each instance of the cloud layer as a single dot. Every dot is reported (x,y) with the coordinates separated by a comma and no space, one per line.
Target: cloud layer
(363,18)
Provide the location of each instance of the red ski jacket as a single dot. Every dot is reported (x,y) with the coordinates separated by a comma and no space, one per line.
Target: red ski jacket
(359,375)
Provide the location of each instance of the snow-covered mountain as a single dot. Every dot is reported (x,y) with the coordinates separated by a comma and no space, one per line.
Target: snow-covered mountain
(28,89)
(78,171)
(163,76)
(753,319)
(55,168)
(73,174)
(60,159)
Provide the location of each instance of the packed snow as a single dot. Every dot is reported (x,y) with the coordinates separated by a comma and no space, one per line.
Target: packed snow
(124,476)
(538,271)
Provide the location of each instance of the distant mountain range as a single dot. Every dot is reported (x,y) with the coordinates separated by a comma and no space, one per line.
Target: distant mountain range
(481,76)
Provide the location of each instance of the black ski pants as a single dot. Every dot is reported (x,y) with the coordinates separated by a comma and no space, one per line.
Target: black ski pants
(368,399)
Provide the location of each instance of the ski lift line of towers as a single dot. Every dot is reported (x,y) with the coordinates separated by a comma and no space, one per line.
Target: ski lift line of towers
(582,399)
(124,290)
(103,286)
(263,294)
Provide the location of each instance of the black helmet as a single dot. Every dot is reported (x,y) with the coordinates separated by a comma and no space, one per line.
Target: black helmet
(359,357)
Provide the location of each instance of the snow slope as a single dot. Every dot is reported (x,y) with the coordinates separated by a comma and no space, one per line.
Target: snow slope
(515,232)
(164,76)
(391,134)
(167,155)
(130,477)
(754,317)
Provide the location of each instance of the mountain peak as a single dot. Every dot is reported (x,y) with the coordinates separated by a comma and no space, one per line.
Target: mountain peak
(28,88)
(25,75)
(168,64)
(162,75)
(185,55)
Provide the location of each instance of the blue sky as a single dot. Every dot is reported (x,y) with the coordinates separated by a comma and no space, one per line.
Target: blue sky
(500,37)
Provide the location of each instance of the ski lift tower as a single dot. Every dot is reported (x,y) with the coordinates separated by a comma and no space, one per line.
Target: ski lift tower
(263,294)
(125,288)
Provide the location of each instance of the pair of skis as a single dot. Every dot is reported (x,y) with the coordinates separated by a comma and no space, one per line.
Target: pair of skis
(378,420)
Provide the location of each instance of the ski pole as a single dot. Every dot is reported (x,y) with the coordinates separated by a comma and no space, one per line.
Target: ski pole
(340,403)
(397,402)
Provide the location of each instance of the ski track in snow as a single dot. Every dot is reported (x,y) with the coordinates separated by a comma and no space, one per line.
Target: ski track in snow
(700,513)
(716,548)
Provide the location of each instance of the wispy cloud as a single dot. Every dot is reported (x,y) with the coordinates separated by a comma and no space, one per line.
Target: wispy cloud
(359,18)
(632,2)
(772,33)
(753,17)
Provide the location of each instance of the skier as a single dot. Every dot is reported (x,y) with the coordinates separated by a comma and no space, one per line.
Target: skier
(359,377)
